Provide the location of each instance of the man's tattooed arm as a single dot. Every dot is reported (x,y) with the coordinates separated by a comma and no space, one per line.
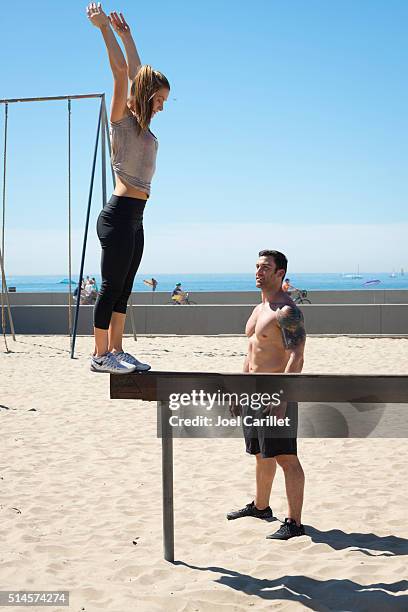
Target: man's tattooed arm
(291,322)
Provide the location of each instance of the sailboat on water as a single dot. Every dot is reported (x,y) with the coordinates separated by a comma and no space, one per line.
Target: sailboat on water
(394,274)
(355,275)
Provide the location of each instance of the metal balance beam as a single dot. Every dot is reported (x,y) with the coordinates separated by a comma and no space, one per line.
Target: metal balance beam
(356,389)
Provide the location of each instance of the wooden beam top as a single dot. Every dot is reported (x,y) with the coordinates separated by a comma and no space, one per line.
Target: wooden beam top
(368,388)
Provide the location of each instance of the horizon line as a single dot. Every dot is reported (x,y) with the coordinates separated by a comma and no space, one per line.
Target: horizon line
(64,275)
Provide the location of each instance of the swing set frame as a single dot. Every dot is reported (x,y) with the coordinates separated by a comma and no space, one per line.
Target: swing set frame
(102,133)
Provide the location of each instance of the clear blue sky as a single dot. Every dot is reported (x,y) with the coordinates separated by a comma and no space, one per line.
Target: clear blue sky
(284,117)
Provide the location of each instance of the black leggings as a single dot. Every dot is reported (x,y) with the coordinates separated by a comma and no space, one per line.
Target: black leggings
(120,232)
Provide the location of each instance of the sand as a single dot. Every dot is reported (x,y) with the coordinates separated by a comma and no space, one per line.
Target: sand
(80,482)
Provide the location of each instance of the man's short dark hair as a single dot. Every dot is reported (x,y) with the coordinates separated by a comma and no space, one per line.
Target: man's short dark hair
(279,258)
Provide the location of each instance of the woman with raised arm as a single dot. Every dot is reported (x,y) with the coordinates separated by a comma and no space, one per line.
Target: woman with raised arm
(120,223)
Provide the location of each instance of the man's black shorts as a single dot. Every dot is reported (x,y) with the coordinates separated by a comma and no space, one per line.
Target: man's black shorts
(266,439)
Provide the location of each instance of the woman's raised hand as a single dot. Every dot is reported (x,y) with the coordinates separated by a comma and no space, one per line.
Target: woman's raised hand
(96,15)
(119,24)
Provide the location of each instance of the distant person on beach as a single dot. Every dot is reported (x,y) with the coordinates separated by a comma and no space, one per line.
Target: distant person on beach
(277,337)
(152,282)
(177,290)
(90,291)
(287,287)
(120,224)
(178,295)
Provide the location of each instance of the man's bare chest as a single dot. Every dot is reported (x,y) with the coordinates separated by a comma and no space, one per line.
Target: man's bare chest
(264,325)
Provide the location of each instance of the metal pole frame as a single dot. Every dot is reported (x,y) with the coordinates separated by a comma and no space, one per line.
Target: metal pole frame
(167,481)
(81,272)
(3,220)
(50,98)
(6,102)
(5,293)
(4,289)
(103,126)
(69,226)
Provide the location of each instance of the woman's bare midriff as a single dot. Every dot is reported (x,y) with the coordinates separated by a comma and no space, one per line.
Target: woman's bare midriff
(125,190)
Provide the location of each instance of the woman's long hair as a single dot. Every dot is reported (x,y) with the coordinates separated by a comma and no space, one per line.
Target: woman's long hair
(146,83)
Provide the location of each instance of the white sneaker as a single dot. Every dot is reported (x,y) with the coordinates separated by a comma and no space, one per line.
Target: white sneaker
(110,364)
(128,360)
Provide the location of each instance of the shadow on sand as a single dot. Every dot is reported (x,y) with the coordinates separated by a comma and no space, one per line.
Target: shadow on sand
(335,595)
(387,546)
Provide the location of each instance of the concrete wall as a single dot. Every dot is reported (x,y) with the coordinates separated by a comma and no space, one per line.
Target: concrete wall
(382,296)
(360,296)
(390,319)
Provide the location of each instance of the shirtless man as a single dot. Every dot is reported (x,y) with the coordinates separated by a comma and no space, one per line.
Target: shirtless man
(277,338)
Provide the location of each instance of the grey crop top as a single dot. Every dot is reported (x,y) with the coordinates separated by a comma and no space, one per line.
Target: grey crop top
(133,153)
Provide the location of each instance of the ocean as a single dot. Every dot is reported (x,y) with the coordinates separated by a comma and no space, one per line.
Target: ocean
(223,282)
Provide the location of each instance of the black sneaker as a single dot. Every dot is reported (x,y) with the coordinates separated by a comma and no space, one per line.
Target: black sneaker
(251,510)
(287,530)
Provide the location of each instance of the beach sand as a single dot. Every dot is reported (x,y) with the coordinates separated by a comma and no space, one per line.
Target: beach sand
(80,481)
